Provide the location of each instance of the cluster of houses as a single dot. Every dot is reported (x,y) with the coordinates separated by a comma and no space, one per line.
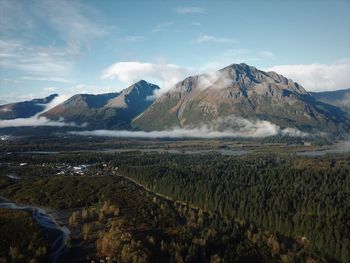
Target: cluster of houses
(73,170)
(84,169)
(5,137)
(66,169)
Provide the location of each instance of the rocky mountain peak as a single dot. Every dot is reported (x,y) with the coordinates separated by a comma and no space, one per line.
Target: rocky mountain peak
(239,90)
(140,91)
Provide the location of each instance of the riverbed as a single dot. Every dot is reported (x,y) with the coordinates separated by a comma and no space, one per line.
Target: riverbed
(57,235)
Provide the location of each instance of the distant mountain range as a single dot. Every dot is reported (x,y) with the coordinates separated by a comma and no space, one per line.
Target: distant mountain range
(109,111)
(237,90)
(338,98)
(24,109)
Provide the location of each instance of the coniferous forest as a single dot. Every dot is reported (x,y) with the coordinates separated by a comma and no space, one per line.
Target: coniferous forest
(163,207)
(307,197)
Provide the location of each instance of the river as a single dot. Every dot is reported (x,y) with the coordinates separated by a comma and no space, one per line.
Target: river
(232,152)
(57,235)
(337,148)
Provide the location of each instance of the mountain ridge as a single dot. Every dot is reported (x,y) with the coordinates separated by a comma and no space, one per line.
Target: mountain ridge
(243,91)
(24,109)
(236,91)
(337,98)
(110,110)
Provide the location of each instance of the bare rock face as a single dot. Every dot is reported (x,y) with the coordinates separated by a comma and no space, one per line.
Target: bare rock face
(139,92)
(243,91)
(78,105)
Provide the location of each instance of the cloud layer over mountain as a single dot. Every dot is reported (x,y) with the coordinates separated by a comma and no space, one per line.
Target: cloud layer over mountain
(317,77)
(240,128)
(313,77)
(38,120)
(133,71)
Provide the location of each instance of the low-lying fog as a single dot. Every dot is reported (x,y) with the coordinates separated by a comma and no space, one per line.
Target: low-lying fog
(235,127)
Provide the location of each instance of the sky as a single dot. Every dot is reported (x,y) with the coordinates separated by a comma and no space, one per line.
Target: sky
(70,47)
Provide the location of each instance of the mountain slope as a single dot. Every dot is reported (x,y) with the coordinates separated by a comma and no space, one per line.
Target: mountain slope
(24,109)
(112,110)
(79,106)
(338,98)
(244,91)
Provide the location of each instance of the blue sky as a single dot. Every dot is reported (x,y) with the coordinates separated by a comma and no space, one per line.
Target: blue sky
(70,47)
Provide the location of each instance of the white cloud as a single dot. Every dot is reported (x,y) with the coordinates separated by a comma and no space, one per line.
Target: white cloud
(36,60)
(190,10)
(195,23)
(239,128)
(165,75)
(11,97)
(162,27)
(65,92)
(50,90)
(294,132)
(213,39)
(173,133)
(91,89)
(266,53)
(62,80)
(208,79)
(56,101)
(72,21)
(317,77)
(7,81)
(133,38)
(33,122)
(227,57)
(73,24)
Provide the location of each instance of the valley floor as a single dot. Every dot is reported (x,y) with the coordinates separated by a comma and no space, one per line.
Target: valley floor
(186,201)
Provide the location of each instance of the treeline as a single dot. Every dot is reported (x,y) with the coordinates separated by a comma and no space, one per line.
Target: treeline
(143,227)
(116,219)
(82,143)
(303,197)
(306,197)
